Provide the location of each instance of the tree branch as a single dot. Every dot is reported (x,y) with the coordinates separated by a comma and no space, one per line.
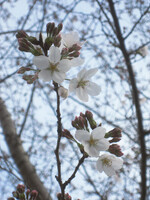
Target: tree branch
(135,96)
(20,157)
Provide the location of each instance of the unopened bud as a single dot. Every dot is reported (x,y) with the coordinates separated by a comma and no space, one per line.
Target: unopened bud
(74,54)
(89,115)
(116,150)
(57,40)
(74,47)
(91,121)
(75,125)
(116,132)
(21,34)
(49,28)
(60,26)
(115,139)
(20,188)
(34,194)
(27,193)
(67,197)
(81,122)
(67,134)
(22,70)
(63,92)
(15,194)
(10,198)
(64,52)
(33,40)
(55,31)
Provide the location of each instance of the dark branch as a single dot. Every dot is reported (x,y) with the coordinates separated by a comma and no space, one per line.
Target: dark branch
(27,170)
(135,96)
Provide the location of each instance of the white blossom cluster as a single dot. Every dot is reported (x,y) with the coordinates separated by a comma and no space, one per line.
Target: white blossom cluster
(55,66)
(94,143)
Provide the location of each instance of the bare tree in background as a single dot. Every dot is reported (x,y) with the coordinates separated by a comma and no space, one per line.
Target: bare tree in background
(117,42)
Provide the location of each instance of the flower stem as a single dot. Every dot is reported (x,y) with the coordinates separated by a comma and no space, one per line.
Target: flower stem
(59,131)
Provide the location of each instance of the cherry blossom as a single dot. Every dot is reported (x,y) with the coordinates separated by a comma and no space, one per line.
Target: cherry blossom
(83,86)
(52,67)
(109,164)
(68,40)
(93,143)
(143,51)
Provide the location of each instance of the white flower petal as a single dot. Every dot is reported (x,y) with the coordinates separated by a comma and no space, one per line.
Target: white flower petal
(54,55)
(45,75)
(114,163)
(102,145)
(81,74)
(73,85)
(82,94)
(64,65)
(42,62)
(82,135)
(76,62)
(70,38)
(90,73)
(117,163)
(109,170)
(93,89)
(58,77)
(99,165)
(90,150)
(98,133)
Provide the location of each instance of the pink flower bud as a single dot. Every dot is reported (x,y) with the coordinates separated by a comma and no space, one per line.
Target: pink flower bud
(20,188)
(67,197)
(21,34)
(67,134)
(115,139)
(34,194)
(116,132)
(115,149)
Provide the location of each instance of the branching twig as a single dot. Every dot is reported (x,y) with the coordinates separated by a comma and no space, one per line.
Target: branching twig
(75,171)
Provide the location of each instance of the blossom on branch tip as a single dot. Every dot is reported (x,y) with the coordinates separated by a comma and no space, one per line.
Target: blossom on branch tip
(69,39)
(93,143)
(71,45)
(109,164)
(83,86)
(52,67)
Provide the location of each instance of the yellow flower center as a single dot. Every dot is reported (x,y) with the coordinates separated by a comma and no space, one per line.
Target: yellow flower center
(106,162)
(82,83)
(52,67)
(92,142)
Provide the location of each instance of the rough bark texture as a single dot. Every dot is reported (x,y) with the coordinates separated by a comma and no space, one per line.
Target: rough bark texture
(27,170)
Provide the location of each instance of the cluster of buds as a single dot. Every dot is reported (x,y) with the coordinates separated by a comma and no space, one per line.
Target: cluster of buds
(82,122)
(72,52)
(26,46)
(66,197)
(116,135)
(38,46)
(53,35)
(21,194)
